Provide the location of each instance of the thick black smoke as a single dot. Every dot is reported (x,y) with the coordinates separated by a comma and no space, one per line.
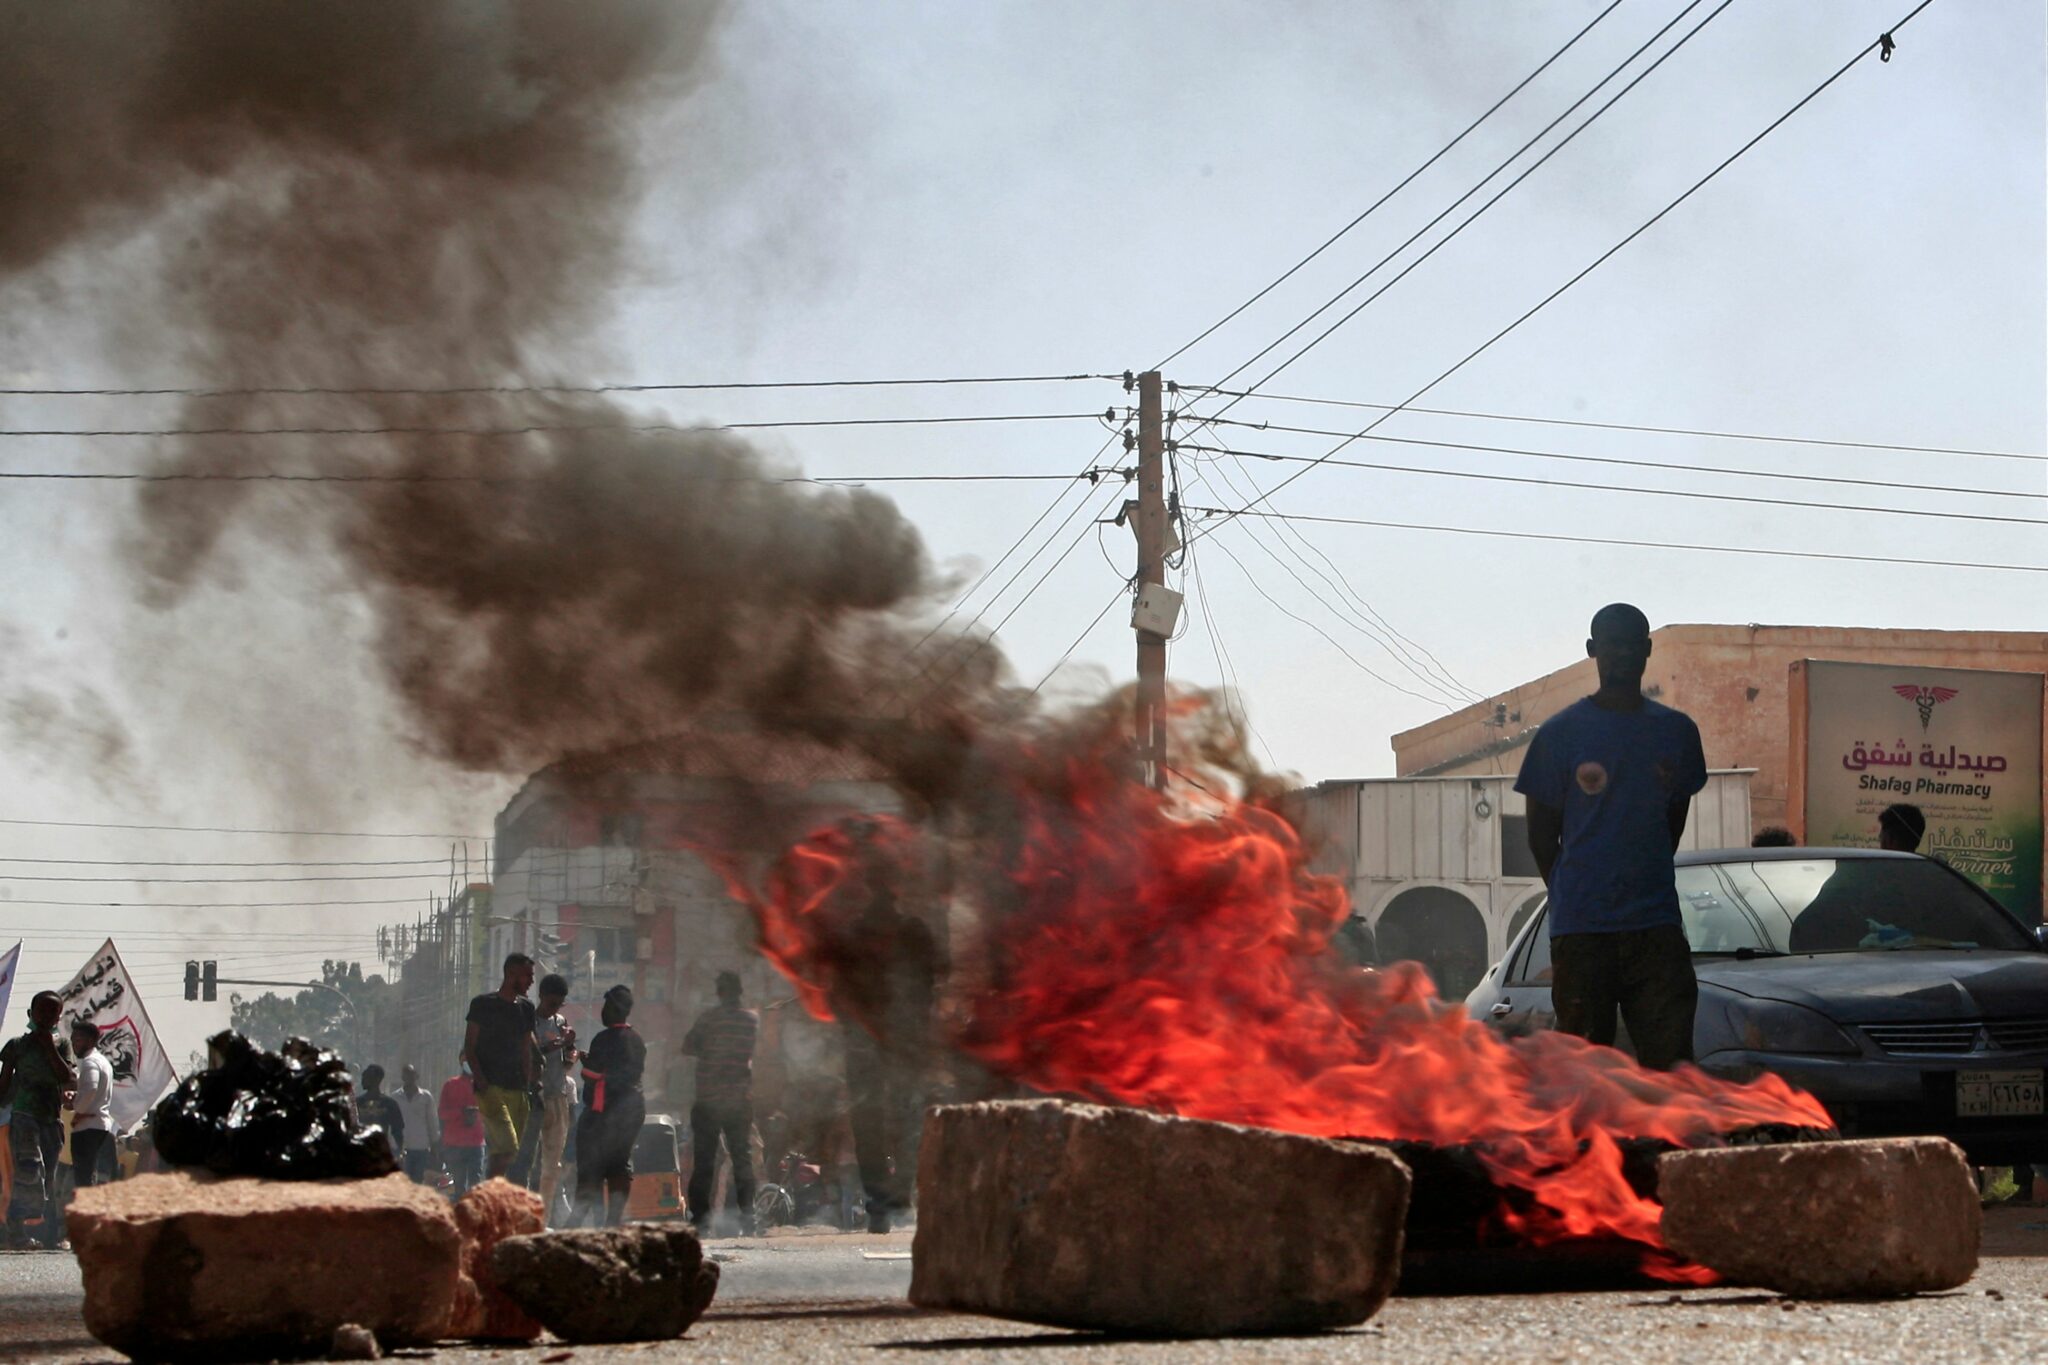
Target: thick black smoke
(415,194)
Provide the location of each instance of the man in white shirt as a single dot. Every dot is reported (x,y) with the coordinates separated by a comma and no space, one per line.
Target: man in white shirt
(558,1084)
(92,1119)
(422,1123)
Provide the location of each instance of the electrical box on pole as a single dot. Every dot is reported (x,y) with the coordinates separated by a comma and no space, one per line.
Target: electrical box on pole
(1153,548)
(1156,609)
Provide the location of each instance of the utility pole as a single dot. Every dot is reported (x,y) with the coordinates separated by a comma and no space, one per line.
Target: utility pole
(1153,529)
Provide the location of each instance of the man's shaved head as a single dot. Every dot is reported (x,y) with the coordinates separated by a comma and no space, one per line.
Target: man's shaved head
(1620,621)
(1620,648)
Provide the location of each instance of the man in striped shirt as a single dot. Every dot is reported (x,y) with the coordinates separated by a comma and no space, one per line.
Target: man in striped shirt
(722,1041)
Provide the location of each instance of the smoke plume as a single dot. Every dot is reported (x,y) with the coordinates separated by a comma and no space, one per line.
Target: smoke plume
(406,195)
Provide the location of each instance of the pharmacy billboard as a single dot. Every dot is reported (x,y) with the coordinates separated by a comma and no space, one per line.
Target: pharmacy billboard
(1964,745)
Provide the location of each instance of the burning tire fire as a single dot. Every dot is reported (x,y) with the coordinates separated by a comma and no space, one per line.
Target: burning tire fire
(1135,950)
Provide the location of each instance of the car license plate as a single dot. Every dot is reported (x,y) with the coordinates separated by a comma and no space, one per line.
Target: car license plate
(1996,1094)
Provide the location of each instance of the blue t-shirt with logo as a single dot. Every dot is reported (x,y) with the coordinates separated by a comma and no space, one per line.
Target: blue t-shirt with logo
(1614,775)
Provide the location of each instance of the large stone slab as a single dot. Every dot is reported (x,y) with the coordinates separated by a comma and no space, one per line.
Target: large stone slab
(1077,1215)
(642,1282)
(1863,1219)
(192,1266)
(486,1216)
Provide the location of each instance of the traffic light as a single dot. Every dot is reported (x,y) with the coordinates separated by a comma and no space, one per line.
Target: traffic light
(191,980)
(208,982)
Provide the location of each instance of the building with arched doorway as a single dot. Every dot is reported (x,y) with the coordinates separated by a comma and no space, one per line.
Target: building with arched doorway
(1439,868)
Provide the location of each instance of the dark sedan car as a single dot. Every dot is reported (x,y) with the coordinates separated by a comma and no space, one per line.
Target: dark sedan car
(1902,997)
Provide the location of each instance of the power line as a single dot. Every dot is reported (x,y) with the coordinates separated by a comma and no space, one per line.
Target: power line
(1479,212)
(542,428)
(1405,181)
(201,936)
(208,905)
(1004,558)
(1755,499)
(266,476)
(1225,665)
(227,881)
(1396,645)
(997,628)
(1447,692)
(1435,663)
(1334,643)
(1263,494)
(1775,475)
(1086,631)
(1370,624)
(182,935)
(231,829)
(1608,254)
(403,390)
(970,648)
(1040,581)
(442,863)
(1634,544)
(1087,471)
(1611,426)
(157,968)
(156,975)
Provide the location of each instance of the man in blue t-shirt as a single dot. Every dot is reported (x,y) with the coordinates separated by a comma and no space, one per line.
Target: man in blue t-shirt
(1609,781)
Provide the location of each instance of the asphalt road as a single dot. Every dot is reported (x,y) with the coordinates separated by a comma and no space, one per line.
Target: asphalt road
(832,1299)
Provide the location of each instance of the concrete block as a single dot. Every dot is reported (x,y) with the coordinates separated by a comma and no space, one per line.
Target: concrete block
(641,1282)
(192,1266)
(486,1216)
(1863,1219)
(1121,1220)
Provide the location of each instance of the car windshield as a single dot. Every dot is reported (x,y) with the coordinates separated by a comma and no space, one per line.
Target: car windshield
(1837,905)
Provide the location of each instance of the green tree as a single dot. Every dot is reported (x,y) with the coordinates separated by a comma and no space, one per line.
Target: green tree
(323,1017)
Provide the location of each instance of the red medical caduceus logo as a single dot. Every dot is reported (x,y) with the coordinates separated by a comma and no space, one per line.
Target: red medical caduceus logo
(1926,698)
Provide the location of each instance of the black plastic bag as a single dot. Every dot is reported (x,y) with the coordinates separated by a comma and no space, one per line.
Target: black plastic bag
(281,1114)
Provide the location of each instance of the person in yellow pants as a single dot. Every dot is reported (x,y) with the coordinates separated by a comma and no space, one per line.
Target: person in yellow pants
(500,1051)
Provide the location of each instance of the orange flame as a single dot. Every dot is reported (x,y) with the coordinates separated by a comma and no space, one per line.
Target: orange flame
(1150,956)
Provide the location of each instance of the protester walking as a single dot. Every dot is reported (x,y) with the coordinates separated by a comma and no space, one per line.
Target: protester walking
(557,1086)
(883,990)
(722,1041)
(374,1106)
(462,1132)
(34,1074)
(1609,781)
(613,1110)
(499,1050)
(92,1108)
(422,1124)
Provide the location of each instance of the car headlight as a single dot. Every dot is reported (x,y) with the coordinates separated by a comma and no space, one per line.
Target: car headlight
(1774,1026)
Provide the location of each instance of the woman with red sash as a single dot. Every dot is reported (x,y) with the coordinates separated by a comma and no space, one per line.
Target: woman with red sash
(613,1110)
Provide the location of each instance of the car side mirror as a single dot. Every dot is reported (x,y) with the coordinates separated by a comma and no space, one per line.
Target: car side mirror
(2041,934)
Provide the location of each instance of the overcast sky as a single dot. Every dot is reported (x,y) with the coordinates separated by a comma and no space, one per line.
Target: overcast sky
(905,190)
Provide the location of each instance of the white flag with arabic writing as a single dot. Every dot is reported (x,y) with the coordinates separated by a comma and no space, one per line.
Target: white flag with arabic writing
(104,993)
(10,963)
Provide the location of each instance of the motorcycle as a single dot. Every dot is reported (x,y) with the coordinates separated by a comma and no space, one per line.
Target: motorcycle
(795,1196)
